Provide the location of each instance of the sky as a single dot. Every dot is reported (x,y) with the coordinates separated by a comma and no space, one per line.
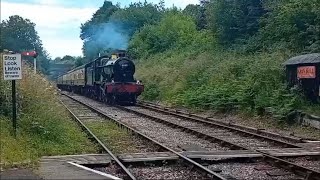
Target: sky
(58,21)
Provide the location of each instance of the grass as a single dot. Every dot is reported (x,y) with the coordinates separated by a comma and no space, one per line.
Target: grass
(44,125)
(313,110)
(117,139)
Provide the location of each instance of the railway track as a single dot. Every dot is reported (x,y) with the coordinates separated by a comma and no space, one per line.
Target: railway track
(212,121)
(216,150)
(145,165)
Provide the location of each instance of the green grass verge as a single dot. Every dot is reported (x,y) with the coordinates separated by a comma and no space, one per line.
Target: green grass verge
(117,139)
(44,126)
(32,142)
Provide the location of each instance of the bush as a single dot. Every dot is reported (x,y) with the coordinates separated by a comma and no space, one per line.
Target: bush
(221,81)
(174,31)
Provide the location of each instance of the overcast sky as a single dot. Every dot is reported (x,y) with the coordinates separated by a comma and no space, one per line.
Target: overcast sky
(58,21)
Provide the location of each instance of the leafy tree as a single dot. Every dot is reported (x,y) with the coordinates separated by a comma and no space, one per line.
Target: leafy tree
(102,15)
(19,34)
(112,27)
(57,59)
(194,11)
(137,15)
(68,58)
(175,30)
(89,28)
(293,24)
(79,61)
(198,13)
(233,20)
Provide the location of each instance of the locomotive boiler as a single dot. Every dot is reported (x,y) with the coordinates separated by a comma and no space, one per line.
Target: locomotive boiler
(108,79)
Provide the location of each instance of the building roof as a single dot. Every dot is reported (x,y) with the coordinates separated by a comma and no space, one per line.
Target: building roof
(304,59)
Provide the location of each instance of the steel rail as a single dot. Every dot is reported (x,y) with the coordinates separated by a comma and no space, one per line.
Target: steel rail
(208,171)
(188,130)
(89,132)
(297,169)
(308,173)
(213,123)
(183,114)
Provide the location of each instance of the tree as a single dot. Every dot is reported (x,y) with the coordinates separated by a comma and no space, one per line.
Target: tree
(194,11)
(233,20)
(293,24)
(89,29)
(102,15)
(198,13)
(57,59)
(175,30)
(137,15)
(68,58)
(19,34)
(79,61)
(112,27)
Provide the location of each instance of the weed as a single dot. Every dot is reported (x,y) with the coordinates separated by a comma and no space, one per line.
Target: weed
(44,126)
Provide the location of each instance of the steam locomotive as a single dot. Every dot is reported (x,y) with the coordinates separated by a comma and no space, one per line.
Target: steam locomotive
(107,78)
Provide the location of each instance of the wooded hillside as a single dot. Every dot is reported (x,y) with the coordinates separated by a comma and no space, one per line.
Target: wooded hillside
(220,55)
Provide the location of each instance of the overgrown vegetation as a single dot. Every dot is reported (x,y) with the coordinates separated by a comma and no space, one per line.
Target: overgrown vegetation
(44,125)
(235,82)
(221,55)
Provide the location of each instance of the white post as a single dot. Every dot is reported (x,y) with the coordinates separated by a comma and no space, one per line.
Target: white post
(35,65)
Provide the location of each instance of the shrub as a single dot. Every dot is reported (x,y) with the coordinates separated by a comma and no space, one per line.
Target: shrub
(221,81)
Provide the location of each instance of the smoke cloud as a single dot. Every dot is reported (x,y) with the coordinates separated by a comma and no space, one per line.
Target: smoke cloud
(105,37)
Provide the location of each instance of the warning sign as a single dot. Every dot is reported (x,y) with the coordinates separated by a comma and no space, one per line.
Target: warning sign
(12,69)
(306,72)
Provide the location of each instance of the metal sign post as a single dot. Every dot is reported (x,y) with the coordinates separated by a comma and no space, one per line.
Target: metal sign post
(12,70)
(14,108)
(35,65)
